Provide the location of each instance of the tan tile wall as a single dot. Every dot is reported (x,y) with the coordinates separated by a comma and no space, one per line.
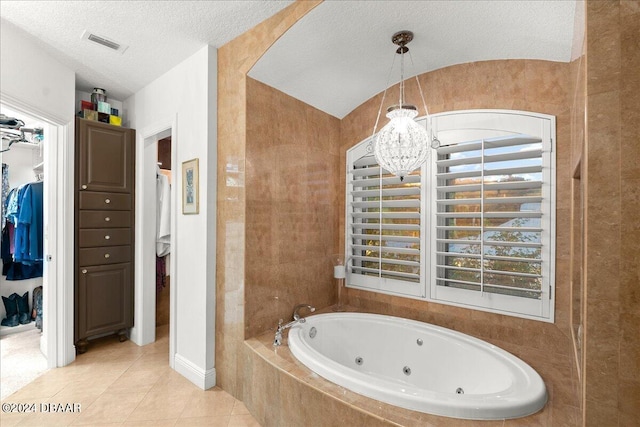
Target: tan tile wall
(612,150)
(235,59)
(629,322)
(292,212)
(612,343)
(578,235)
(529,85)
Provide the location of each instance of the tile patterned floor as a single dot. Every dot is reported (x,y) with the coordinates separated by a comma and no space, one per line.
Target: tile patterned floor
(123,384)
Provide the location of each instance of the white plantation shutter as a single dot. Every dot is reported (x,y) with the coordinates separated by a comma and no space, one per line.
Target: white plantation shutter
(493,216)
(474,227)
(384,226)
(489,234)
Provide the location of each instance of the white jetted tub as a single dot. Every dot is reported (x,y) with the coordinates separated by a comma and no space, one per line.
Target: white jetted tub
(418,366)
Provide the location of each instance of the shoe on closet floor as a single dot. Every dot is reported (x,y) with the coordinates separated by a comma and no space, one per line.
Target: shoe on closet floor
(11,306)
(24,314)
(37,306)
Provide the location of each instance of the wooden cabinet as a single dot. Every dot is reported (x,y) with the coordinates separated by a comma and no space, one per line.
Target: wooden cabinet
(104,157)
(104,233)
(107,299)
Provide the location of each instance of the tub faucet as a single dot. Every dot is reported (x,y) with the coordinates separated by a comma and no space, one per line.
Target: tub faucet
(296,316)
(277,341)
(296,319)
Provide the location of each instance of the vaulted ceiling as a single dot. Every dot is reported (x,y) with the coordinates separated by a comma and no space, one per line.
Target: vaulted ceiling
(334,58)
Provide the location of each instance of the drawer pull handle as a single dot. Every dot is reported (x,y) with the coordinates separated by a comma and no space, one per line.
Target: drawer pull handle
(107,255)
(107,201)
(84,271)
(107,219)
(107,237)
(84,187)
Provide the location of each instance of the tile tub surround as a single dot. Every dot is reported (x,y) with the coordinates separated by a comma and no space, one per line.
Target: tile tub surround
(235,59)
(519,84)
(529,85)
(284,392)
(611,150)
(606,68)
(292,196)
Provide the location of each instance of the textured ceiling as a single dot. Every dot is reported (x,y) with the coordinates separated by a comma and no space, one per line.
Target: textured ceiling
(334,58)
(340,54)
(160,34)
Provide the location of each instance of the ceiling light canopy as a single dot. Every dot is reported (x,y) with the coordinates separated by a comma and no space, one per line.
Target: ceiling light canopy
(402,145)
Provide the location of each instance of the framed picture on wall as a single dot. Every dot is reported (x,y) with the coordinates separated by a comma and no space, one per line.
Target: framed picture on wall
(190,187)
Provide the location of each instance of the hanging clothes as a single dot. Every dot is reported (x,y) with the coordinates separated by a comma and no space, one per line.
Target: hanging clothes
(5,187)
(29,244)
(163,227)
(22,235)
(163,215)
(161,273)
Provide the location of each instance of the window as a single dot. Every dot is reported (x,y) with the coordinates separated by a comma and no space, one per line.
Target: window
(386,226)
(474,228)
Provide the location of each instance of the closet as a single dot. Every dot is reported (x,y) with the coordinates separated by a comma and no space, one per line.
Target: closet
(22,217)
(104,231)
(23,274)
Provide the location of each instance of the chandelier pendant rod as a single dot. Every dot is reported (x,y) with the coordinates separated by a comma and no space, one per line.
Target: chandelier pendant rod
(384,94)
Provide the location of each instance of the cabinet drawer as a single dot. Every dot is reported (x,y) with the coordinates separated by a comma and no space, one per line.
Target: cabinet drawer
(105,201)
(104,219)
(106,255)
(89,238)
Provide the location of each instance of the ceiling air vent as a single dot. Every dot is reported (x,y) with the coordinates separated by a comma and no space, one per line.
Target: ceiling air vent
(104,41)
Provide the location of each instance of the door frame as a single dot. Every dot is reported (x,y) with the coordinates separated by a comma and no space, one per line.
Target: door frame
(144,329)
(58,294)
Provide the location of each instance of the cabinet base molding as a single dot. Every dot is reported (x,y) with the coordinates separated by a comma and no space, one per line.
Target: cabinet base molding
(82,345)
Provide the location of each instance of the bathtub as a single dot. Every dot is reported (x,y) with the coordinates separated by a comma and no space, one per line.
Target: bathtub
(418,366)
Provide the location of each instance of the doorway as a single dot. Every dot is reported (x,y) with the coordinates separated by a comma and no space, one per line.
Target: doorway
(34,161)
(147,294)
(163,237)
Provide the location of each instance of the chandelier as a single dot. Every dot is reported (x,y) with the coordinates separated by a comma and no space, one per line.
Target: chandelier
(402,145)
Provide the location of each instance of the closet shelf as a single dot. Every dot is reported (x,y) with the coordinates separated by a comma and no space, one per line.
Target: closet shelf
(29,145)
(39,167)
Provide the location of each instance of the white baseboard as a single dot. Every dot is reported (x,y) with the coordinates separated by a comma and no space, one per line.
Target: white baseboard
(205,379)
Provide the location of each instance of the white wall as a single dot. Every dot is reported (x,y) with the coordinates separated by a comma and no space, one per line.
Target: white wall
(33,81)
(33,76)
(187,97)
(21,160)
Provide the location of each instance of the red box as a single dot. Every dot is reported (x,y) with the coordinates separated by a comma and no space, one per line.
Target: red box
(86,105)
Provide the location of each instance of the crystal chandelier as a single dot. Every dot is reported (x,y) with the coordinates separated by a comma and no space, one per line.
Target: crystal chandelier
(402,145)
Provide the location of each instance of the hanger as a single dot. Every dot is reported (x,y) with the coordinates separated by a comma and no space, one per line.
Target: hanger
(10,122)
(13,137)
